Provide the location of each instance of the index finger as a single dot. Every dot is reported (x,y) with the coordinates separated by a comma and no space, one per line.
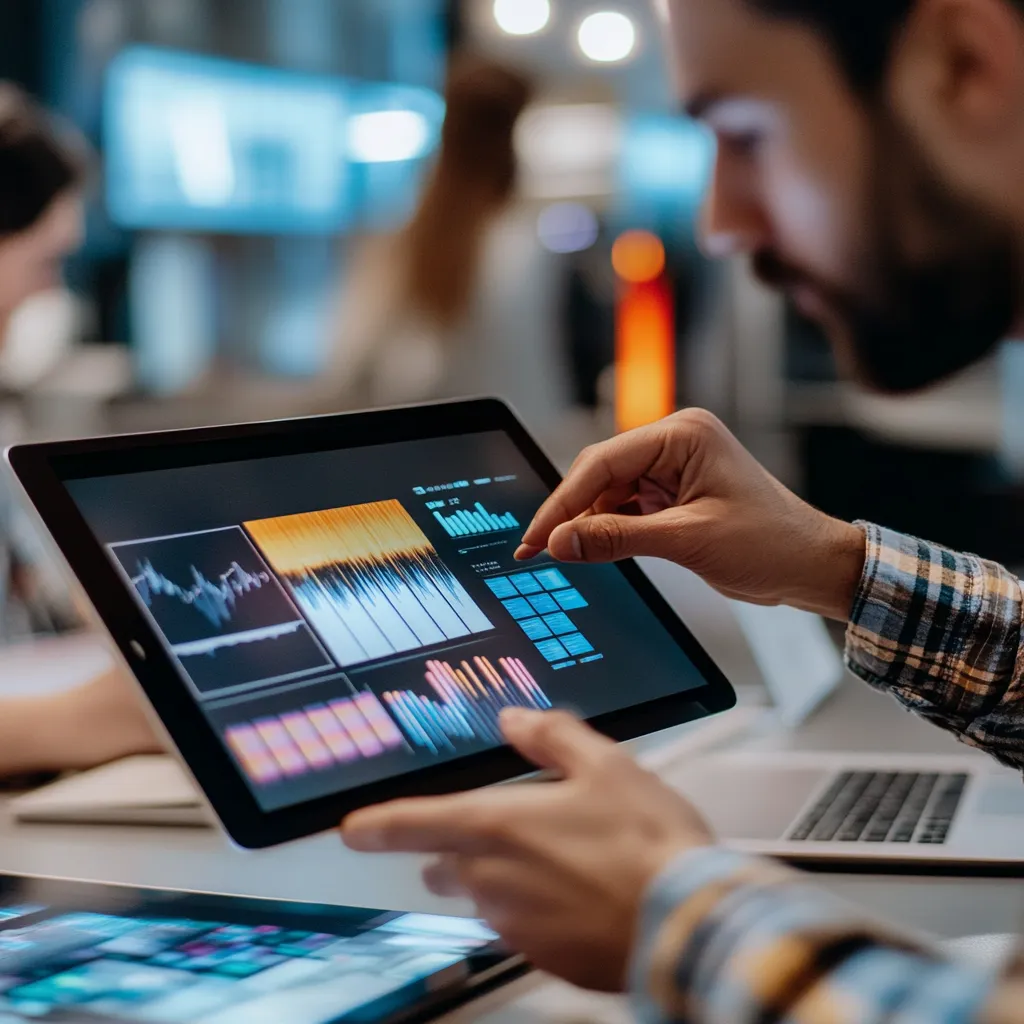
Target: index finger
(615,463)
(464,823)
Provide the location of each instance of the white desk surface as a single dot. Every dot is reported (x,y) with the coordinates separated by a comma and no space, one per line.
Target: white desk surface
(320,869)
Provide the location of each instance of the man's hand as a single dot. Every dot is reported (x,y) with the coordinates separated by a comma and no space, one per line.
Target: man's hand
(685,490)
(559,869)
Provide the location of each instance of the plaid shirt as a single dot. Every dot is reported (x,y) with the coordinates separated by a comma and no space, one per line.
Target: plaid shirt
(733,939)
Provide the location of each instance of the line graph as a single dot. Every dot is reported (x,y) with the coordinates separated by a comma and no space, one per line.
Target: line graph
(214,601)
(468,700)
(369,580)
(227,619)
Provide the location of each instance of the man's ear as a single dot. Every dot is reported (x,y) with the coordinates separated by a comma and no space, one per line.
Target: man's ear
(957,73)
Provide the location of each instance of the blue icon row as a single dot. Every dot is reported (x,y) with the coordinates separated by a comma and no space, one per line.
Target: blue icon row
(563,647)
(528,583)
(544,604)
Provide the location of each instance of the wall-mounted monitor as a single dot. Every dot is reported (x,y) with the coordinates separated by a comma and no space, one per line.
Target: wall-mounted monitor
(195,143)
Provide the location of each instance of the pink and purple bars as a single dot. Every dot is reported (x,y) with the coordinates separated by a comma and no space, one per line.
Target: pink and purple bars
(313,739)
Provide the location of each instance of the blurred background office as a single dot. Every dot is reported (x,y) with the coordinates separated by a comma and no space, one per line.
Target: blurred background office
(279,220)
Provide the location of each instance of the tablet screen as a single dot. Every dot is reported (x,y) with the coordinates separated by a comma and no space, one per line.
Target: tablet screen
(350,616)
(71,952)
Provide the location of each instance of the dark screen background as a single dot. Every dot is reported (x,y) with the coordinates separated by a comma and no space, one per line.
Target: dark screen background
(244,618)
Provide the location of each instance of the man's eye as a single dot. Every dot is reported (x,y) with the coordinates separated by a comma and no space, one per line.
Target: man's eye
(743,143)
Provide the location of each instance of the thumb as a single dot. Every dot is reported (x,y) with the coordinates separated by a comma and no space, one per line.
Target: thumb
(555,740)
(611,538)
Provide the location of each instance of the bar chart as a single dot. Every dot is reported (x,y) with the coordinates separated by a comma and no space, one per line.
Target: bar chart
(314,738)
(467,702)
(466,523)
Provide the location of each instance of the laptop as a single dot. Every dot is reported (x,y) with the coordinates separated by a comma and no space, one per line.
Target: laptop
(945,812)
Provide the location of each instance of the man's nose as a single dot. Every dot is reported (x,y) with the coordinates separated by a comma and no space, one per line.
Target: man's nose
(732,221)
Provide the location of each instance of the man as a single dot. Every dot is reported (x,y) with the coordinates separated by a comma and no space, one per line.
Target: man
(870,160)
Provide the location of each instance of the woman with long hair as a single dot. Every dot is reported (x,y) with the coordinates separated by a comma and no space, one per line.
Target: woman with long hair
(418,319)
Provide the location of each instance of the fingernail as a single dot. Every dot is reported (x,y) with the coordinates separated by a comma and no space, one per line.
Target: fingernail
(526,551)
(577,546)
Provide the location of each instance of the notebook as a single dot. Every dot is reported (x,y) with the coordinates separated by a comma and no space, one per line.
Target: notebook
(147,789)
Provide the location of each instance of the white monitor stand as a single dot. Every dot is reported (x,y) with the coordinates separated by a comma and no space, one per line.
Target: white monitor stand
(782,662)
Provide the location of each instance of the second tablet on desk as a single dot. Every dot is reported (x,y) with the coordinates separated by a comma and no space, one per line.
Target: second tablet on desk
(327,613)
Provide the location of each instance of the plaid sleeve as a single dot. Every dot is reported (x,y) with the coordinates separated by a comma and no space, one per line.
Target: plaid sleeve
(941,631)
(727,939)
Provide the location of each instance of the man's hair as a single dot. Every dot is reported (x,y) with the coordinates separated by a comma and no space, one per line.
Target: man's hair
(36,164)
(862,33)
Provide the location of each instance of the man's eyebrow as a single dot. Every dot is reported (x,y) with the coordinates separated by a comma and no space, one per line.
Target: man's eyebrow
(698,106)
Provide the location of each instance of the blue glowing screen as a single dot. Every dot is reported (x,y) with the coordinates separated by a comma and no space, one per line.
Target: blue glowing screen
(203,144)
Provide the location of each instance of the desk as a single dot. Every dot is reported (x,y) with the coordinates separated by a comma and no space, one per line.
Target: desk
(320,869)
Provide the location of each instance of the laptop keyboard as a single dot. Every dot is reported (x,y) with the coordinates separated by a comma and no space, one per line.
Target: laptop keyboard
(883,807)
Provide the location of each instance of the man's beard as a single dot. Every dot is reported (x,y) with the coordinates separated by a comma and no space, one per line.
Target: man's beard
(926,314)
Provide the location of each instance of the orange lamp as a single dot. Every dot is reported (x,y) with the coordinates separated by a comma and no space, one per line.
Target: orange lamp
(645,346)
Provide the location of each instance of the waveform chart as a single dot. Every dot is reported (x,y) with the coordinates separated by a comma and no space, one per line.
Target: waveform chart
(228,621)
(466,702)
(369,580)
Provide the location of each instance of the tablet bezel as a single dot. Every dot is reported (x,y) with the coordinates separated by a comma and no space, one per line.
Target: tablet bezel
(42,470)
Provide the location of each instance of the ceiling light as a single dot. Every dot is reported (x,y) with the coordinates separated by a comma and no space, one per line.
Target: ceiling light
(607,37)
(388,136)
(522,17)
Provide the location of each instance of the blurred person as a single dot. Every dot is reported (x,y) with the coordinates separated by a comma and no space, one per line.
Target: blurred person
(41,183)
(870,160)
(41,215)
(460,301)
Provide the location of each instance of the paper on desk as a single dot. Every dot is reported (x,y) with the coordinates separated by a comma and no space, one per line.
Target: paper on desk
(148,789)
(52,665)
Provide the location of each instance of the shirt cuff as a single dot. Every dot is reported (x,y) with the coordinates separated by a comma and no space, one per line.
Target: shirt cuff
(939,628)
(675,920)
(725,937)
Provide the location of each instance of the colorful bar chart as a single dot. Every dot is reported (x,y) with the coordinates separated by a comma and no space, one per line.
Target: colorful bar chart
(314,738)
(468,702)
(464,523)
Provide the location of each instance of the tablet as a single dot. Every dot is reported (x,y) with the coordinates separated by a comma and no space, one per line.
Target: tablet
(74,951)
(326,613)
